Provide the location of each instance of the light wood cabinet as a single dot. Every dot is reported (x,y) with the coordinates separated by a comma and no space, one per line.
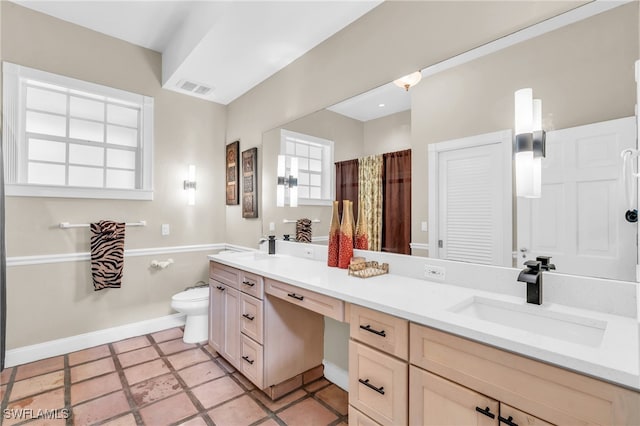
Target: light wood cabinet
(377,384)
(224,321)
(356,418)
(384,332)
(548,393)
(275,344)
(310,300)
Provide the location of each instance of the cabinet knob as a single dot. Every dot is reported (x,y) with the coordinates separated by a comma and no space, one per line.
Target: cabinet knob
(249,283)
(486,411)
(295,296)
(374,331)
(220,288)
(249,317)
(246,358)
(508,421)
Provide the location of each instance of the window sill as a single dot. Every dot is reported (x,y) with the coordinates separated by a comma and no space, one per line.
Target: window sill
(20,190)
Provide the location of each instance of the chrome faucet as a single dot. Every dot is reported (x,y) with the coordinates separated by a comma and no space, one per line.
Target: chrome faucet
(532,275)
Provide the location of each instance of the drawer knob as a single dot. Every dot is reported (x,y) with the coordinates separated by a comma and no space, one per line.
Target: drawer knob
(295,296)
(487,412)
(380,390)
(249,317)
(374,331)
(220,288)
(508,421)
(249,283)
(246,358)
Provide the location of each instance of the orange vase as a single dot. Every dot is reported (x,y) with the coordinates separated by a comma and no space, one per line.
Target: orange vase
(334,237)
(362,237)
(345,252)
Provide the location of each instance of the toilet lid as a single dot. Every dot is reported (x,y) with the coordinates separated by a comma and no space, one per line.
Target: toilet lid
(194,294)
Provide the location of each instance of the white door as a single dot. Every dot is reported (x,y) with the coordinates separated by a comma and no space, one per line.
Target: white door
(579,220)
(470,199)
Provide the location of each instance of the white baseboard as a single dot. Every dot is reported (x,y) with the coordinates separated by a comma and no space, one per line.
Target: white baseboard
(336,375)
(57,347)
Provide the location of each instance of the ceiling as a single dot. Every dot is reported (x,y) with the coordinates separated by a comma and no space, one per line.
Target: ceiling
(214,50)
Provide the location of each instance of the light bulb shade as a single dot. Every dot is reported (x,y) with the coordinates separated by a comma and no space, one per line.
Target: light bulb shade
(191,196)
(536,173)
(524,174)
(523,111)
(293,196)
(536,124)
(280,196)
(294,169)
(409,80)
(190,185)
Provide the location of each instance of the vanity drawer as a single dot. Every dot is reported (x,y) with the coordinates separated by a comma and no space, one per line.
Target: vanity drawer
(251,361)
(324,305)
(251,284)
(384,332)
(378,385)
(251,318)
(224,274)
(356,418)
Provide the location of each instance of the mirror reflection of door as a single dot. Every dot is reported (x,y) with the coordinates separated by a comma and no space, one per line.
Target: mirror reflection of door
(470,199)
(580,218)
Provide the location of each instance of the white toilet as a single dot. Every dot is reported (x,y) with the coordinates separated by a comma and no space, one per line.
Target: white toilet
(194,302)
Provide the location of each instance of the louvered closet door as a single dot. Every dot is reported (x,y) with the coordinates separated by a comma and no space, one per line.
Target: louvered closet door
(470,200)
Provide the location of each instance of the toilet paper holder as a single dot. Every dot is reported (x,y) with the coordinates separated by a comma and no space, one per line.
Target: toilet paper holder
(161,264)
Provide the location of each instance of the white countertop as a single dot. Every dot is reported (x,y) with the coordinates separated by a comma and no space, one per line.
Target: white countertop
(615,359)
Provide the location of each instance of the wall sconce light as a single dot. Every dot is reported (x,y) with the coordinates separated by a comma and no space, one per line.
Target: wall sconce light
(290,182)
(409,80)
(190,185)
(529,144)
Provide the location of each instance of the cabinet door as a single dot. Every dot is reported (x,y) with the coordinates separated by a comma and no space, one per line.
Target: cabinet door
(251,317)
(377,384)
(510,416)
(231,349)
(216,315)
(439,402)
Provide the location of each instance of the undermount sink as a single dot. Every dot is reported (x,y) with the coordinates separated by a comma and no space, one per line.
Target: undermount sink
(252,255)
(561,326)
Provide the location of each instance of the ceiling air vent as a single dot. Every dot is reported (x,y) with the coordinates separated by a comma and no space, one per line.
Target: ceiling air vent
(194,88)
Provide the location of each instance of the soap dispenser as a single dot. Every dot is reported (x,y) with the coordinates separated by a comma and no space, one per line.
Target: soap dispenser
(272,244)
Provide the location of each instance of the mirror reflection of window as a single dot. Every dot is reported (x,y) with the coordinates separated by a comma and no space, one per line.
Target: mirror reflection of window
(315,159)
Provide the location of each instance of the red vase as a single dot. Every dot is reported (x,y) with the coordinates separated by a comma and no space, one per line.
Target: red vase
(345,251)
(362,237)
(334,237)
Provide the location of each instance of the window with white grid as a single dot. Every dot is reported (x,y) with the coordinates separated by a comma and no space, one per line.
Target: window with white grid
(69,138)
(315,171)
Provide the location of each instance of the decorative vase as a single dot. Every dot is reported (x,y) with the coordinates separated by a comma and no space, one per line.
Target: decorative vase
(345,252)
(334,237)
(362,237)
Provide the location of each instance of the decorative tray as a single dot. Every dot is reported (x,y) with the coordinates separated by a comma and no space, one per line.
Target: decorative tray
(368,269)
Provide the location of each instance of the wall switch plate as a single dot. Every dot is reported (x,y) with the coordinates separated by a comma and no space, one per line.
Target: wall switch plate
(423,226)
(272,226)
(166,230)
(308,252)
(434,272)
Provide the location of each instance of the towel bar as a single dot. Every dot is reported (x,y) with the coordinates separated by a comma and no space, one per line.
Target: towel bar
(67,225)
(294,221)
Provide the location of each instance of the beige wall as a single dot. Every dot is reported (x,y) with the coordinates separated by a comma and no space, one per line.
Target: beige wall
(57,300)
(387,134)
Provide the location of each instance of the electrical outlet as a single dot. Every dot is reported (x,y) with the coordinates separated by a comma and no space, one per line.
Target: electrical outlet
(423,226)
(166,230)
(434,272)
(272,226)
(308,252)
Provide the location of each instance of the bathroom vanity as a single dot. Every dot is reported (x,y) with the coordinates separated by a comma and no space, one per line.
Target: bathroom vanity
(421,352)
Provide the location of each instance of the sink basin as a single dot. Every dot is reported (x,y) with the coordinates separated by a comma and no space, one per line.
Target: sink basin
(561,326)
(250,255)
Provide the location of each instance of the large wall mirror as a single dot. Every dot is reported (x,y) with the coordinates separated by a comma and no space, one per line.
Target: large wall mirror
(458,124)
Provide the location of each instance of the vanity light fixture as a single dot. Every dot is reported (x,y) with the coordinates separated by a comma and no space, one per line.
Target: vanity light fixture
(529,144)
(290,182)
(190,185)
(409,80)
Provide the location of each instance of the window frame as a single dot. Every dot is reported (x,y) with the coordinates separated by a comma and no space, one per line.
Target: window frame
(14,137)
(328,171)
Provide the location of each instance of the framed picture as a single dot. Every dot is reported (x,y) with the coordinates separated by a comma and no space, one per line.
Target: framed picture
(232,175)
(250,183)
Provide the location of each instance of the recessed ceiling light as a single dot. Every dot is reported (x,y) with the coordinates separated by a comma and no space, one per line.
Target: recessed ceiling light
(381,105)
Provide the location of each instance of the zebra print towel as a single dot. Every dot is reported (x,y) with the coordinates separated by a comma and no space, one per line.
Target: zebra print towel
(107,254)
(303,230)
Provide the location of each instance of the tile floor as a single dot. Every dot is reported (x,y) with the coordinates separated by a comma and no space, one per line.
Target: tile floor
(155,380)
